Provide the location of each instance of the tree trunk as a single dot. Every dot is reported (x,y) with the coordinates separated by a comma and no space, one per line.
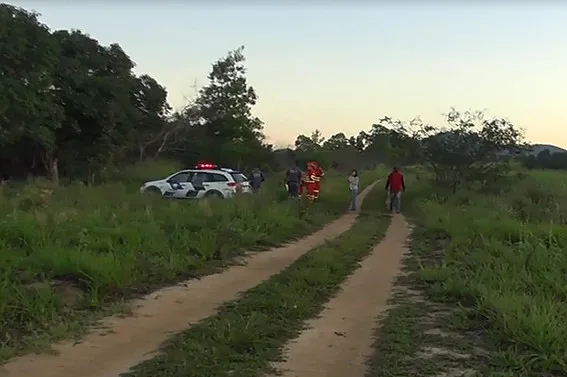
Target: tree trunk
(53,169)
(163,144)
(91,178)
(142,152)
(51,165)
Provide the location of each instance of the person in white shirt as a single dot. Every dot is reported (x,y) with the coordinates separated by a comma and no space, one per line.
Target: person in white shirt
(353,180)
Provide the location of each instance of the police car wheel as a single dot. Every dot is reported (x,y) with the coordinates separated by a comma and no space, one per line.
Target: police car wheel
(214,194)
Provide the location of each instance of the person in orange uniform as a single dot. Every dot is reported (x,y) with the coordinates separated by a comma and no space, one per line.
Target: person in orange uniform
(313,180)
(307,182)
(319,174)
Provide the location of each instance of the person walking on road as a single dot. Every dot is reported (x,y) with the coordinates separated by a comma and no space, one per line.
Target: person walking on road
(293,178)
(395,185)
(257,179)
(353,181)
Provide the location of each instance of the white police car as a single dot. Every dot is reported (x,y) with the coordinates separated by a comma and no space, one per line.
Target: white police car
(205,181)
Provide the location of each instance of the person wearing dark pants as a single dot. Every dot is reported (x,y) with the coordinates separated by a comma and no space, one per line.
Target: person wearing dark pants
(256,179)
(396,185)
(353,181)
(293,180)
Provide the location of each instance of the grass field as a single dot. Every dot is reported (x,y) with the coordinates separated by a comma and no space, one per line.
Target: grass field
(70,253)
(493,268)
(248,334)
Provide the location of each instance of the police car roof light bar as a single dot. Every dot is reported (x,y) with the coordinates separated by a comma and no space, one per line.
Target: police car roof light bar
(205,165)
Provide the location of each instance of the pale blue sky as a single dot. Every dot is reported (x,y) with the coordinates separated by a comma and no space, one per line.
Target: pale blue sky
(340,65)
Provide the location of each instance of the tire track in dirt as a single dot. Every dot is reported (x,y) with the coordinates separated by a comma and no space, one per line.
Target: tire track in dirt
(120,343)
(339,342)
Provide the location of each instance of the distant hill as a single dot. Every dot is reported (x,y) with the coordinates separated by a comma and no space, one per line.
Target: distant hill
(537,148)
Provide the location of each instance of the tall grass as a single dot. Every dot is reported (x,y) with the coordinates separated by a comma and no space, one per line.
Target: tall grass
(71,250)
(506,258)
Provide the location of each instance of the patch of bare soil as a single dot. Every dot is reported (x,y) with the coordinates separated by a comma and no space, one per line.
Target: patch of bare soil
(421,337)
(339,342)
(443,351)
(123,342)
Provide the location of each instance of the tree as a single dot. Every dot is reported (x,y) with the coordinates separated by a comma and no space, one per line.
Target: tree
(545,160)
(28,57)
(360,142)
(309,143)
(391,141)
(94,86)
(336,142)
(305,144)
(311,148)
(317,138)
(225,107)
(471,149)
(153,130)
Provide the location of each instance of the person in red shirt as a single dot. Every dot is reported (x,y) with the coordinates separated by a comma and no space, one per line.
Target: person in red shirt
(395,185)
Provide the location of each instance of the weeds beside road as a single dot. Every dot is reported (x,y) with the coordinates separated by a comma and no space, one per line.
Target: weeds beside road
(487,289)
(69,253)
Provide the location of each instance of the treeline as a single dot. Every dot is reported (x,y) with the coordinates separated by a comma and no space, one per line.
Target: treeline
(72,107)
(546,160)
(470,148)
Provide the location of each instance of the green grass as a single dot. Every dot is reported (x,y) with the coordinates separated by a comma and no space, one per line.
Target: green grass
(416,324)
(72,253)
(248,334)
(494,261)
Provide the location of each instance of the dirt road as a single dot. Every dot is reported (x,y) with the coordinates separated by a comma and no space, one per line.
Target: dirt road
(125,342)
(338,343)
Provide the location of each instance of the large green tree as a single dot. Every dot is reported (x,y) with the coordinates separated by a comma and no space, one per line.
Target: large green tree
(70,105)
(152,110)
(28,59)
(225,107)
(94,86)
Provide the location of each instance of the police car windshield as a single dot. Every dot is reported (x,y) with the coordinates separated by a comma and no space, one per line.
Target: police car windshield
(238,177)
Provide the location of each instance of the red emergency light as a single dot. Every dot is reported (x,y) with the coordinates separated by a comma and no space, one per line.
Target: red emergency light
(205,165)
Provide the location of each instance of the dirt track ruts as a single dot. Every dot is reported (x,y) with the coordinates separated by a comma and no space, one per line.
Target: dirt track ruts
(121,343)
(338,343)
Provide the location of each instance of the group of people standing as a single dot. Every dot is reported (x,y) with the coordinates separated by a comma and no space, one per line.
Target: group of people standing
(298,182)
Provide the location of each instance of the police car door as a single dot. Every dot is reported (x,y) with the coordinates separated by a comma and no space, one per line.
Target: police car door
(181,185)
(219,183)
(201,183)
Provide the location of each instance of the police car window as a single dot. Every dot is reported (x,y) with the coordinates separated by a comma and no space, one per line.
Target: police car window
(239,177)
(202,177)
(219,178)
(181,177)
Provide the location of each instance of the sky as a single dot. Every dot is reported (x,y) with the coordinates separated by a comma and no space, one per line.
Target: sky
(339,66)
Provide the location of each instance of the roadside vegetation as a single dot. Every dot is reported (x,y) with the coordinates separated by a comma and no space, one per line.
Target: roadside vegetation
(484,292)
(68,252)
(504,261)
(248,334)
